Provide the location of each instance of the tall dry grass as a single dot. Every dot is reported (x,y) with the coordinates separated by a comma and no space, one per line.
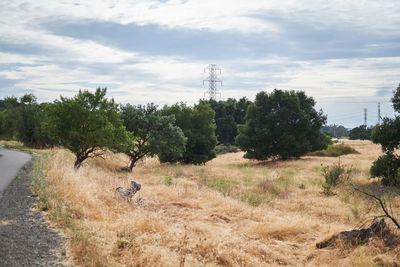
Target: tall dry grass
(230,212)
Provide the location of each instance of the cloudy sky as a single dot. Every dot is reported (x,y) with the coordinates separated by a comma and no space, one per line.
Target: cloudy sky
(344,53)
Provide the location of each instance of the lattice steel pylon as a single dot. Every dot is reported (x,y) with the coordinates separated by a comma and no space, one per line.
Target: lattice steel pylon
(212,80)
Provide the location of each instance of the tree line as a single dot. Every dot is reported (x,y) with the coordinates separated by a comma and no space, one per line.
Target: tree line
(279,125)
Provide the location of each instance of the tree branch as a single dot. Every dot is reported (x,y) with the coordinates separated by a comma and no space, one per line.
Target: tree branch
(381,203)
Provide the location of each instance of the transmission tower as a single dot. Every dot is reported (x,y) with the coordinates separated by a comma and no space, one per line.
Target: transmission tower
(212,80)
(365,116)
(379,113)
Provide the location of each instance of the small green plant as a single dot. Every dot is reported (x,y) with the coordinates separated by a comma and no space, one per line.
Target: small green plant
(253,198)
(302,186)
(334,175)
(288,173)
(168,180)
(222,185)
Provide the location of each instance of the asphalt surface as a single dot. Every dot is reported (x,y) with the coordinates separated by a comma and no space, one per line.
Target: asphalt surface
(26,238)
(10,163)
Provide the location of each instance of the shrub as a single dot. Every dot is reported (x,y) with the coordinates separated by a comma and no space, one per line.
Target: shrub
(387,166)
(335,150)
(333,176)
(222,185)
(253,198)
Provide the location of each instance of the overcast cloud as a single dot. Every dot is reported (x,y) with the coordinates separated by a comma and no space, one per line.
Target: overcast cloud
(346,54)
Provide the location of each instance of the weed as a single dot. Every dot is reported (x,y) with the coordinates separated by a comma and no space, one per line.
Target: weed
(334,150)
(288,173)
(302,186)
(253,198)
(222,185)
(333,176)
(168,180)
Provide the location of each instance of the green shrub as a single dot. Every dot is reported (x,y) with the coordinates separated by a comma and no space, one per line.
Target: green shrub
(168,180)
(387,167)
(222,185)
(335,150)
(253,198)
(333,176)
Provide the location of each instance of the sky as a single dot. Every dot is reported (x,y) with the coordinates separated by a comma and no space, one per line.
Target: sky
(343,53)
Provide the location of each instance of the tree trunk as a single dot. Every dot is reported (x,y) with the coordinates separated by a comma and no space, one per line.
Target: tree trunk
(77,164)
(132,164)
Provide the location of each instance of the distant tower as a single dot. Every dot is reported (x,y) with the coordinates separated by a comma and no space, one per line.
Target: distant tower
(365,116)
(212,80)
(379,113)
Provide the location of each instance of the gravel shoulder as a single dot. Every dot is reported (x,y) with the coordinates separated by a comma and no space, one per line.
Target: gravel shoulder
(25,236)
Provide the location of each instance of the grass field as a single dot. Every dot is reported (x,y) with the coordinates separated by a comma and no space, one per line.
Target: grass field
(231,211)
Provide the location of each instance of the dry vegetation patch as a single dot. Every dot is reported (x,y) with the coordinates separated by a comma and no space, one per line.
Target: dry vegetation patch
(230,212)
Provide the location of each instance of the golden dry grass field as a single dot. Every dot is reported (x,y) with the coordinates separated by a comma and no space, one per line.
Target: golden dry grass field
(230,212)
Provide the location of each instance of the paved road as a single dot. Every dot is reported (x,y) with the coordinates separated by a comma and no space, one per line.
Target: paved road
(10,163)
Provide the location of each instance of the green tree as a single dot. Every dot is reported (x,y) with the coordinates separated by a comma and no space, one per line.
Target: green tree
(228,114)
(198,127)
(10,118)
(22,120)
(387,135)
(226,129)
(281,124)
(334,130)
(361,132)
(86,124)
(151,133)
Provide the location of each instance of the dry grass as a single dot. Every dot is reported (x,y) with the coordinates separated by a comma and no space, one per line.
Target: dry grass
(230,212)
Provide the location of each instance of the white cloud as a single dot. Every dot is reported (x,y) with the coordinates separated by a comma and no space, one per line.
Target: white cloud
(218,15)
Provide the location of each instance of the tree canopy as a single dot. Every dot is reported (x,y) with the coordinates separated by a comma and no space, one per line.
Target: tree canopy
(281,124)
(387,135)
(198,126)
(86,124)
(228,114)
(361,132)
(151,133)
(21,119)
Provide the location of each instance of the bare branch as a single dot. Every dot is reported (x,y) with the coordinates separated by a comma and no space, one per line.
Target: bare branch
(381,202)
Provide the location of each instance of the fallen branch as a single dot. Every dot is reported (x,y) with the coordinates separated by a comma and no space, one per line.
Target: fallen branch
(130,192)
(355,237)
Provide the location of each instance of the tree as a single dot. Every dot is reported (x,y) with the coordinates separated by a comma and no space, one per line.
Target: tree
(387,135)
(281,124)
(226,129)
(361,132)
(198,127)
(22,120)
(336,131)
(86,124)
(228,114)
(151,133)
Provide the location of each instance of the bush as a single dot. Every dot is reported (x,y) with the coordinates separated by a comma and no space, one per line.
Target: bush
(387,167)
(333,176)
(253,198)
(335,150)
